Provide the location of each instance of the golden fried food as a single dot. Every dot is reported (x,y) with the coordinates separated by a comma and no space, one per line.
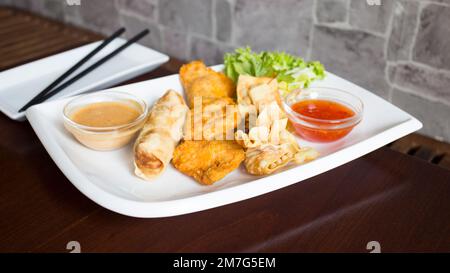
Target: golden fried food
(208,161)
(216,119)
(267,159)
(162,131)
(269,145)
(201,81)
(257,91)
(204,154)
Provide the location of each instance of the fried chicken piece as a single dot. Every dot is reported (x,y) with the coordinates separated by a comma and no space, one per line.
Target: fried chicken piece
(201,81)
(208,161)
(217,119)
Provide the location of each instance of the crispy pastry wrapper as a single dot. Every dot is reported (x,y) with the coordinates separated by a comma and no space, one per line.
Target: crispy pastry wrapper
(162,131)
(258,91)
(270,128)
(268,158)
(254,94)
(270,145)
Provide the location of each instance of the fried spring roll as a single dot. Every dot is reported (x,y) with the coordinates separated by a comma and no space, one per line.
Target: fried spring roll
(162,131)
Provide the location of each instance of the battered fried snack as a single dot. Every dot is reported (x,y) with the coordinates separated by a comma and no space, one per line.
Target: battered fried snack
(208,161)
(201,81)
(257,91)
(269,145)
(253,94)
(216,120)
(206,155)
(268,158)
(154,146)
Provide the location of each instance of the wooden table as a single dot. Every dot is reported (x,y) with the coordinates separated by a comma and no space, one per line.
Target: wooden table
(397,200)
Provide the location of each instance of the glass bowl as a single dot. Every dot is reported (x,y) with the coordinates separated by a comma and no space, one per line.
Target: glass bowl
(105,138)
(326,128)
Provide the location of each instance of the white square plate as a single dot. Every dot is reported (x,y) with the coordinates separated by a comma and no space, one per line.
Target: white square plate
(20,84)
(108,179)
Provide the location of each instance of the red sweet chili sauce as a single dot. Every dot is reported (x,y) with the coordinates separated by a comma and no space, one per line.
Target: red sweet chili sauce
(327,120)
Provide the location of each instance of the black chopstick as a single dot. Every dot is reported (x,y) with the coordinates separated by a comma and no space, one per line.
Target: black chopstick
(73,68)
(92,67)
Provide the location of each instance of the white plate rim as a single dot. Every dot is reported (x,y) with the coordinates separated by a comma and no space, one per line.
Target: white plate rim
(221,196)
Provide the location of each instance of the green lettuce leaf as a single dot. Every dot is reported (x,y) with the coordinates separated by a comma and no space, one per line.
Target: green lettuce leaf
(291,71)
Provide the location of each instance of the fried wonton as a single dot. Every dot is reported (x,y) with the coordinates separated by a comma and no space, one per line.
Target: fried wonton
(269,145)
(269,128)
(268,158)
(257,91)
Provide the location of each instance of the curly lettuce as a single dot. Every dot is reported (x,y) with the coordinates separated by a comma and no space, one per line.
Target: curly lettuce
(291,72)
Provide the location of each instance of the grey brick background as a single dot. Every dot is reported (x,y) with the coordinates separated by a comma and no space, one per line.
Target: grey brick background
(399,50)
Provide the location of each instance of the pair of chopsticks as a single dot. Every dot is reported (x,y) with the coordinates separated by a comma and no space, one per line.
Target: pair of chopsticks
(50,90)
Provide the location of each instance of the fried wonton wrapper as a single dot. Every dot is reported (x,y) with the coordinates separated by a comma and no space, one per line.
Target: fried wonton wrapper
(270,145)
(208,161)
(257,91)
(268,158)
(270,128)
(253,94)
(156,142)
(201,81)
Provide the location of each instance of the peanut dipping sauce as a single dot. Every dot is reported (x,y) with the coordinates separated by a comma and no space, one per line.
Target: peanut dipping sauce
(106,122)
(105,114)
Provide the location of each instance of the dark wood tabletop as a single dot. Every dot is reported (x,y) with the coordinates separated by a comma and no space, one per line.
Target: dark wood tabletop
(397,200)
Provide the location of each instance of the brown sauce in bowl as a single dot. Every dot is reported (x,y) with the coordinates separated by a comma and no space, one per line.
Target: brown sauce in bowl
(105,114)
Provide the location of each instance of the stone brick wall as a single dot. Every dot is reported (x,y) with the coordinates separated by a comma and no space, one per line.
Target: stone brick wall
(399,50)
